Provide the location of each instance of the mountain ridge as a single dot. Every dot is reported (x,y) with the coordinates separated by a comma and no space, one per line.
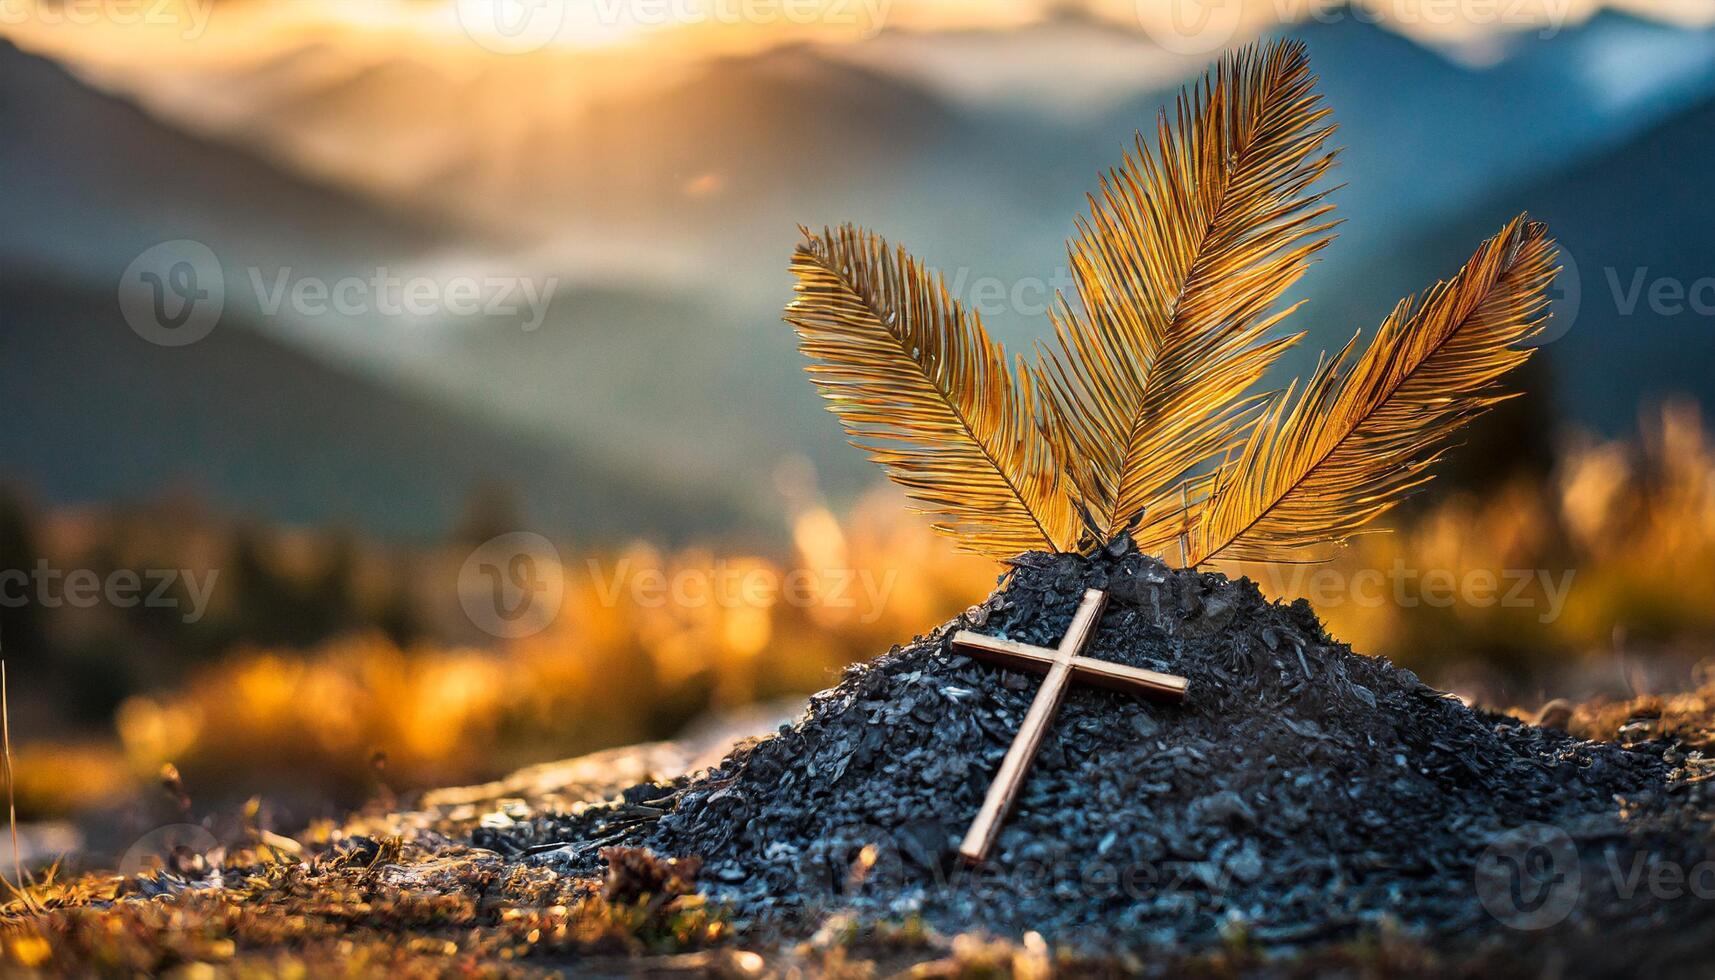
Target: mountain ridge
(251,424)
(1628,221)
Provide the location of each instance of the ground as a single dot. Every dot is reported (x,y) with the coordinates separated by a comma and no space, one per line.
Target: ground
(397,892)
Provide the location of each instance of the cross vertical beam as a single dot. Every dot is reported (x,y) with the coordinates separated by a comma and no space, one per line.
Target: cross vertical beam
(1004,789)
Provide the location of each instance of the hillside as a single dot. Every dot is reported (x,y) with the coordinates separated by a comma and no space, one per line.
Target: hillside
(95,413)
(262,417)
(93,180)
(1630,225)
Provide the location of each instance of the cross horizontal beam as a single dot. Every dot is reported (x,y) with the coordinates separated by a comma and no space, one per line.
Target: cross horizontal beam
(1102,673)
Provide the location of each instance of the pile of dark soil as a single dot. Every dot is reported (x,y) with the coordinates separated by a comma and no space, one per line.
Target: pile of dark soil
(1301,793)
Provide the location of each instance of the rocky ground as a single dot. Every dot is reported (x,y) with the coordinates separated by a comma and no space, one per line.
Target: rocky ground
(1305,809)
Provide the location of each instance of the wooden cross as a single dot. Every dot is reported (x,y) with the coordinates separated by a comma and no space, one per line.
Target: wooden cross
(1060,666)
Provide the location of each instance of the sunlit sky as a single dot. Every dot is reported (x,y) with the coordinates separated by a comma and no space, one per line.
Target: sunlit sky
(84,31)
(213,65)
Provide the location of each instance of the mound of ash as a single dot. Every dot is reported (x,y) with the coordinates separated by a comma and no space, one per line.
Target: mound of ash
(1301,791)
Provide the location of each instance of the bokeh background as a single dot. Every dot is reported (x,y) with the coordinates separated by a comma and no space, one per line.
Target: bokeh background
(421,362)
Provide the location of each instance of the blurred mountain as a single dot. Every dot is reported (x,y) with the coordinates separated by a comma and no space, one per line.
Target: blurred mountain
(666,213)
(987,195)
(1636,302)
(1422,134)
(717,401)
(93,181)
(289,431)
(255,427)
(926,132)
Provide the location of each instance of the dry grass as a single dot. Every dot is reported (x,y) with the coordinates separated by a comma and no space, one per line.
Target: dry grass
(360,908)
(392,892)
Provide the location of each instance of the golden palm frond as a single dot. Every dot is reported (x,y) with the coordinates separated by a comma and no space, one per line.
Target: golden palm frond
(921,387)
(1177,267)
(1188,247)
(1317,470)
